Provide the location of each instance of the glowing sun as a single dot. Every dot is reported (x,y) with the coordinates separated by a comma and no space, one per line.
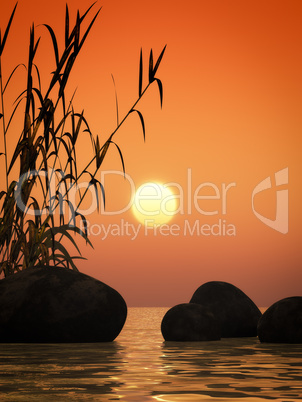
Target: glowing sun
(154,204)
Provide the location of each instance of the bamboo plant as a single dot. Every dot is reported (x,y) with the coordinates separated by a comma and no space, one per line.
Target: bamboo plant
(46,152)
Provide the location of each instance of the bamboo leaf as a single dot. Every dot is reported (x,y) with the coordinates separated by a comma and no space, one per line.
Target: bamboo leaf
(54,43)
(140,81)
(19,97)
(44,254)
(38,75)
(43,102)
(37,213)
(39,145)
(73,264)
(87,11)
(13,113)
(36,47)
(35,205)
(63,120)
(67,26)
(81,116)
(81,20)
(77,33)
(7,30)
(65,261)
(97,151)
(141,119)
(116,102)
(53,153)
(88,29)
(29,69)
(27,128)
(67,71)
(121,156)
(69,136)
(104,148)
(11,75)
(59,247)
(64,232)
(77,130)
(80,232)
(65,145)
(93,180)
(19,148)
(31,230)
(151,76)
(2,194)
(84,221)
(57,72)
(68,176)
(33,112)
(46,189)
(73,215)
(160,87)
(159,61)
(15,249)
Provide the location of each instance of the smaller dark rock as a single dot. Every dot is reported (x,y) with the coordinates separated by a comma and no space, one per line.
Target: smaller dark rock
(190,322)
(282,322)
(237,314)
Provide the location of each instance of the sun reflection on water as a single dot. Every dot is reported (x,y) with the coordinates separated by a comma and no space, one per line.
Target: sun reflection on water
(140,366)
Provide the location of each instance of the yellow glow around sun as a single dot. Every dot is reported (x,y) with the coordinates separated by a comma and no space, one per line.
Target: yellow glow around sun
(154,204)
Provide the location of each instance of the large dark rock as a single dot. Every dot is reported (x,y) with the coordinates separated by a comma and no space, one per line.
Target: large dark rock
(282,322)
(189,322)
(236,312)
(59,305)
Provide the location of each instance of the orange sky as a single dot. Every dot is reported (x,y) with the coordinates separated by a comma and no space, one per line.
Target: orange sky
(232,114)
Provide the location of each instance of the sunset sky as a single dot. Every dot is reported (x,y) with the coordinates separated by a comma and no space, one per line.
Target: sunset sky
(232,115)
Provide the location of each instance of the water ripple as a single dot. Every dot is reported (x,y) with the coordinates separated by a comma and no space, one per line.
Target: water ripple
(140,366)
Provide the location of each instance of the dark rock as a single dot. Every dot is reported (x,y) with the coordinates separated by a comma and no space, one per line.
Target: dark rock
(236,312)
(189,322)
(282,322)
(59,305)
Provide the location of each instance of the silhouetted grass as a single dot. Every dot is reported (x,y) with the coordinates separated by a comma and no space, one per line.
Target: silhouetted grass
(46,150)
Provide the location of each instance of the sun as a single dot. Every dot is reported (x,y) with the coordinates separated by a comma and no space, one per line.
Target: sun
(154,204)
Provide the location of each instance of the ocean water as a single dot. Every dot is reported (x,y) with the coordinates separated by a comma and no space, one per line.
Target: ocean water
(140,366)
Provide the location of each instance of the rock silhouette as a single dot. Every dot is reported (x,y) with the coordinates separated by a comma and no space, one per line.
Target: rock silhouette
(282,322)
(235,311)
(59,305)
(189,322)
